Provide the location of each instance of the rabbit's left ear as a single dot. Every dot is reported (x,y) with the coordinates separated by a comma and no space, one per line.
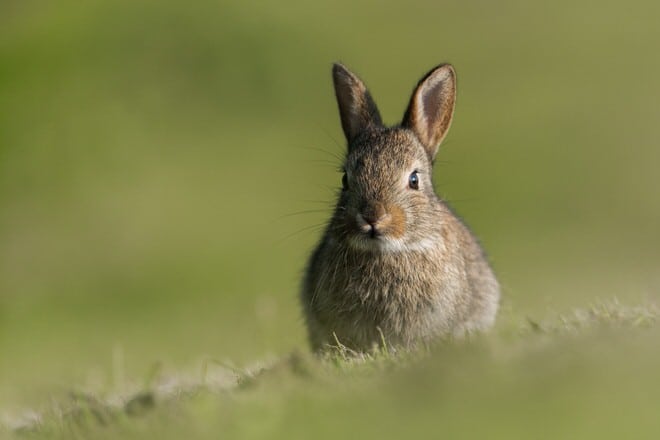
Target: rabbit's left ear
(431,107)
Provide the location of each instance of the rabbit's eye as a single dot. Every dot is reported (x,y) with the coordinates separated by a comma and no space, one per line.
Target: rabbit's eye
(344,181)
(413,180)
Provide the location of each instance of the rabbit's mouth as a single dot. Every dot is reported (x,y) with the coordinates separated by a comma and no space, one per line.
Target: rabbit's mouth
(378,221)
(373,238)
(373,228)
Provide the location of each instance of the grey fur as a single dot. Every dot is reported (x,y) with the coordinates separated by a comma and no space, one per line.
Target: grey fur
(395,263)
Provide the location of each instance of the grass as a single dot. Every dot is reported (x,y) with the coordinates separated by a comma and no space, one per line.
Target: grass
(511,383)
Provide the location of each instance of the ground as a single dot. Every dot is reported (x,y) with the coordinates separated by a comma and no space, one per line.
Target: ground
(588,374)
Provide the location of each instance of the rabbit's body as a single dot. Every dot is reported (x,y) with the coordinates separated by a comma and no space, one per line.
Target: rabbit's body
(395,265)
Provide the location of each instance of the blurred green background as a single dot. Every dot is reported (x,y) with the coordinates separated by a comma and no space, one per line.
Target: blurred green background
(164,165)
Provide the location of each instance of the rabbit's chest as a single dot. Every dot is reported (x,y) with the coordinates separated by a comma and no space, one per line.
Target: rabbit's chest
(397,299)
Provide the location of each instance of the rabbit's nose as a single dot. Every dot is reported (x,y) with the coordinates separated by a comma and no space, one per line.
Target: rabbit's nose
(373,218)
(373,213)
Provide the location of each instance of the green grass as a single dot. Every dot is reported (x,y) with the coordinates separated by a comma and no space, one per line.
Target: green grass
(553,379)
(165,167)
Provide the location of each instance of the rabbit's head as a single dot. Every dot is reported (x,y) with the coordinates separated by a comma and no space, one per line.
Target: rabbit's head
(387,202)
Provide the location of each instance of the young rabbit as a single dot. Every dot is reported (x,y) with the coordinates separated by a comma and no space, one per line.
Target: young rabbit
(395,265)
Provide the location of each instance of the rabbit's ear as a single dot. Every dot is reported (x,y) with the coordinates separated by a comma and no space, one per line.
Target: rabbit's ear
(432,107)
(357,109)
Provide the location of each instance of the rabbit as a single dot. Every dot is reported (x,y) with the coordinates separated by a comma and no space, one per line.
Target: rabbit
(395,265)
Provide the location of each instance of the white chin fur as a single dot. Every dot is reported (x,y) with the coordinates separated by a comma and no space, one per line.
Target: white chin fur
(388,244)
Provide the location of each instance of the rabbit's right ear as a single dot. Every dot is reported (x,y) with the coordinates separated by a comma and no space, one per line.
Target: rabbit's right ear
(357,109)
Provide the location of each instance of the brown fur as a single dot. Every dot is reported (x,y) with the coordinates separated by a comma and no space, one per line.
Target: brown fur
(394,262)
(397,226)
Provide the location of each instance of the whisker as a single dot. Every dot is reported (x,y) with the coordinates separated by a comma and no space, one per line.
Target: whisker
(324,202)
(331,163)
(308,211)
(339,157)
(317,226)
(465,200)
(330,136)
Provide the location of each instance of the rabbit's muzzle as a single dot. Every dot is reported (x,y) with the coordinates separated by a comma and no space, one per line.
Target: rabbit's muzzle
(377,219)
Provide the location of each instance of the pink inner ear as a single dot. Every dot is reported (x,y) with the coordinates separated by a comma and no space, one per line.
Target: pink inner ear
(437,102)
(432,104)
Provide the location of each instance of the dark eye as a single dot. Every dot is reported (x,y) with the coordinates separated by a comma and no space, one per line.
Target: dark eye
(413,180)
(344,182)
